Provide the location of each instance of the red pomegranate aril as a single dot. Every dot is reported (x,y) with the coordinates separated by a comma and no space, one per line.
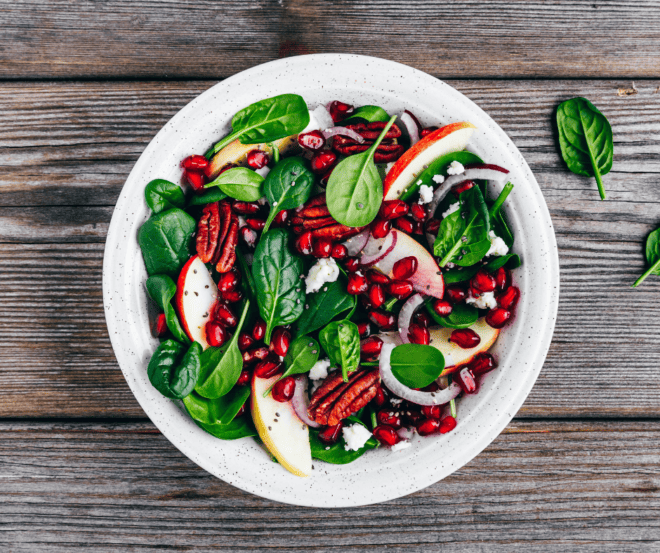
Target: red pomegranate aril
(422,319)
(232,296)
(322,248)
(411,415)
(282,218)
(352,264)
(195,178)
(364,329)
(304,243)
(405,268)
(382,319)
(386,435)
(432,411)
(244,378)
(323,161)
(339,252)
(267,369)
(388,417)
(502,278)
(433,387)
(418,212)
(195,162)
(283,389)
(256,159)
(442,307)
(418,334)
(418,228)
(357,284)
(280,341)
(224,315)
(400,289)
(466,380)
(330,434)
(380,398)
(160,328)
(498,317)
(426,427)
(465,338)
(462,187)
(245,341)
(380,228)
(392,209)
(261,353)
(455,293)
(376,295)
(312,140)
(323,181)
(483,282)
(426,131)
(376,277)
(216,334)
(509,298)
(340,110)
(482,364)
(433,225)
(447,425)
(229,281)
(405,224)
(256,224)
(259,330)
(370,348)
(248,236)
(245,208)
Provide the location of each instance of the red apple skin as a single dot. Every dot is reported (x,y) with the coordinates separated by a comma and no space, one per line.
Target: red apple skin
(178,298)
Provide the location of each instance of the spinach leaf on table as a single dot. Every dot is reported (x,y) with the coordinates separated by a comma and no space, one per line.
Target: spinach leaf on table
(416,365)
(323,306)
(162,195)
(341,341)
(213,195)
(162,289)
(652,257)
(165,241)
(585,139)
(240,183)
(276,271)
(369,114)
(172,370)
(222,410)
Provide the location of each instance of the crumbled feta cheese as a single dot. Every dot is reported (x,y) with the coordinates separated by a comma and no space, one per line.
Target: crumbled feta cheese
(389,166)
(395,401)
(425,194)
(263,171)
(320,369)
(403,444)
(455,168)
(438,179)
(355,436)
(452,208)
(497,245)
(319,120)
(449,360)
(485,301)
(324,270)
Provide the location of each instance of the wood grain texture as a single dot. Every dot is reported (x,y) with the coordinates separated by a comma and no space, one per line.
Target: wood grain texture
(205,39)
(541,486)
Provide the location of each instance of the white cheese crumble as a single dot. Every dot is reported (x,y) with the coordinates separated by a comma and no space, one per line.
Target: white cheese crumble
(455,168)
(497,245)
(263,171)
(425,194)
(403,444)
(324,270)
(355,436)
(452,208)
(396,401)
(320,369)
(485,301)
(439,179)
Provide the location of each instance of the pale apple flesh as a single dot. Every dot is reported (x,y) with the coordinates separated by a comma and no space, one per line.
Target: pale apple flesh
(280,429)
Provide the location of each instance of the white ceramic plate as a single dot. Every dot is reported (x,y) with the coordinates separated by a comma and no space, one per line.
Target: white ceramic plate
(521,349)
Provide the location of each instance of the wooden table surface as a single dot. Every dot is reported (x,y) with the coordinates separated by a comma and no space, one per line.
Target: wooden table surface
(85,85)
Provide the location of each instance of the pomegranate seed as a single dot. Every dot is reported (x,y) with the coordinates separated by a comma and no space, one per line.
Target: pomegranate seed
(412,416)
(376,295)
(357,284)
(312,140)
(256,224)
(370,348)
(465,338)
(418,334)
(466,380)
(509,298)
(244,378)
(195,178)
(433,225)
(405,225)
(232,296)
(425,427)
(323,161)
(195,162)
(502,278)
(303,243)
(339,252)
(245,208)
(386,435)
(245,341)
(160,328)
(388,417)
(256,159)
(462,187)
(380,228)
(447,425)
(229,281)
(393,209)
(382,319)
(426,131)
(216,334)
(432,411)
(267,369)
(442,307)
(364,329)
(400,289)
(282,218)
(280,341)
(422,319)
(418,227)
(322,247)
(340,110)
(283,389)
(455,293)
(255,354)
(433,387)
(224,315)
(366,303)
(498,317)
(482,282)
(405,268)
(380,398)
(351,264)
(323,181)
(248,236)
(418,212)
(259,330)
(482,363)
(376,277)
(330,434)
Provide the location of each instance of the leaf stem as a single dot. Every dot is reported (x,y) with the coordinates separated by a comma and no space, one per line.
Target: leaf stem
(220,145)
(381,137)
(451,252)
(649,271)
(594,165)
(500,200)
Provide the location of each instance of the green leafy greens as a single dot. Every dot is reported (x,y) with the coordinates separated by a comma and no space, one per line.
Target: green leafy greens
(341,341)
(325,305)
(162,289)
(652,257)
(369,114)
(173,370)
(240,183)
(162,195)
(416,365)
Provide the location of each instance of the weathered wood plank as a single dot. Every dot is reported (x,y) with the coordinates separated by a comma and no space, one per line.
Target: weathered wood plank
(541,486)
(205,39)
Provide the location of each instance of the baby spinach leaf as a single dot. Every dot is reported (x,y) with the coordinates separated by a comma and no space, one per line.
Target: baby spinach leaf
(172,370)
(369,114)
(585,139)
(221,367)
(302,355)
(451,276)
(276,271)
(213,195)
(222,410)
(652,257)
(416,365)
(341,341)
(165,241)
(337,453)
(497,204)
(266,121)
(240,183)
(162,195)
(510,261)
(288,185)
(463,315)
(242,427)
(355,189)
(162,289)
(323,306)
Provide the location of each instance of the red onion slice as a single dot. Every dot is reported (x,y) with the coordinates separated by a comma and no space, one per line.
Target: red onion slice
(377,248)
(406,315)
(411,127)
(300,401)
(356,243)
(344,132)
(414,396)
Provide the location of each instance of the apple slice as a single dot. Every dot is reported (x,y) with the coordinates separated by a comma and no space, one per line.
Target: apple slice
(428,276)
(280,429)
(196,293)
(450,138)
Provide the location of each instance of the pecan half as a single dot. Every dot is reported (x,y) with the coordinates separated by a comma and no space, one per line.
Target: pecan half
(315,216)
(208,229)
(228,250)
(388,150)
(217,235)
(335,399)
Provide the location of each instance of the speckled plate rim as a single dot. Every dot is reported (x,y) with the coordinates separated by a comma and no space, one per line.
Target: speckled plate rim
(379,475)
